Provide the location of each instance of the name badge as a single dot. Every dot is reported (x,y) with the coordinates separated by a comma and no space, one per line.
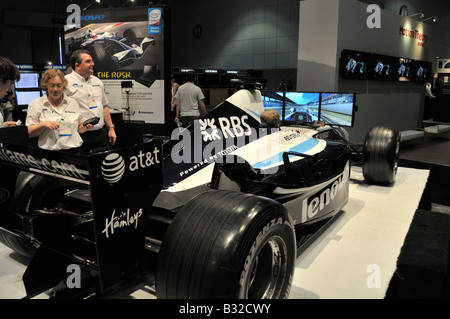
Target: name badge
(65,130)
(92,104)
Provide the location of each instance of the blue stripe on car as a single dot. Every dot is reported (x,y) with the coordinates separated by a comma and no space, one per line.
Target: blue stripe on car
(300,148)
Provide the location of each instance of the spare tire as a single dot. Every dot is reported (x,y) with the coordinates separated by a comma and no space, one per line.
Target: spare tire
(381,155)
(226,244)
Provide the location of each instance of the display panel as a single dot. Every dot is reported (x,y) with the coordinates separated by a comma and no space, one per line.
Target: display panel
(422,71)
(404,69)
(28,81)
(25,97)
(273,100)
(354,64)
(337,108)
(301,107)
(382,67)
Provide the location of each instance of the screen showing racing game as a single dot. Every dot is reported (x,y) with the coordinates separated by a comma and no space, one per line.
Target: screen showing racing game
(301,107)
(28,81)
(337,108)
(273,100)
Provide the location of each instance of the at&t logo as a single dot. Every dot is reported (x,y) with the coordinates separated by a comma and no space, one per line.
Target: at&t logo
(113,166)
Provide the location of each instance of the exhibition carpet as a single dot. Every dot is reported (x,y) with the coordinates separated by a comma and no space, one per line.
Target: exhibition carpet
(433,154)
(423,264)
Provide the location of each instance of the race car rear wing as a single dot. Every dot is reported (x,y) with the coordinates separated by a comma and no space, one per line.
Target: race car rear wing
(123,184)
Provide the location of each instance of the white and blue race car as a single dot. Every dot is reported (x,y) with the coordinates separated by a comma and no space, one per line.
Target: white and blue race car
(221,210)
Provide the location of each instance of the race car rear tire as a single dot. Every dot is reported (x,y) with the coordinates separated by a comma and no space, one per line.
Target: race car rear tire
(381,155)
(226,244)
(32,192)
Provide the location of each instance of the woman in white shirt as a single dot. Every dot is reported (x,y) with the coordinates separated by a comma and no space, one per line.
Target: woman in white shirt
(55,117)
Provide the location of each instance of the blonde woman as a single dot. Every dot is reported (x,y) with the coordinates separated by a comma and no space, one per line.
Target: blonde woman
(55,117)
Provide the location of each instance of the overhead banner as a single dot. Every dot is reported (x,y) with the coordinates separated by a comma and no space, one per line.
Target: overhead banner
(127,47)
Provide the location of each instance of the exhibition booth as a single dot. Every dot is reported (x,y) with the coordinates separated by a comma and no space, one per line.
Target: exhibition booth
(351,74)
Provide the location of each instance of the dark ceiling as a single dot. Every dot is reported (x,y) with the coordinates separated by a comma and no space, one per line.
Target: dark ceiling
(92,4)
(61,5)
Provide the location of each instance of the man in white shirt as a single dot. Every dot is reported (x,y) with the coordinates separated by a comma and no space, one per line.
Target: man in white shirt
(89,91)
(189,98)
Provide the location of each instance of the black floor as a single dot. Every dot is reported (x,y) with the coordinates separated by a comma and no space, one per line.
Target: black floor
(423,264)
(432,153)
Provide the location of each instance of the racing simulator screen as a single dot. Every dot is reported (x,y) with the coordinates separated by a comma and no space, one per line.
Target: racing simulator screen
(301,107)
(337,108)
(273,100)
(28,81)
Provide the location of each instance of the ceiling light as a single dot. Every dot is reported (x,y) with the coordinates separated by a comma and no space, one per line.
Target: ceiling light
(434,18)
(420,14)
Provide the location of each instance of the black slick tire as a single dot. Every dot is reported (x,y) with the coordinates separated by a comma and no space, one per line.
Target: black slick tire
(381,155)
(226,244)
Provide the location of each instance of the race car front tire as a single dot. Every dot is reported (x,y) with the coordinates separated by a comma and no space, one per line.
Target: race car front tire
(226,244)
(381,155)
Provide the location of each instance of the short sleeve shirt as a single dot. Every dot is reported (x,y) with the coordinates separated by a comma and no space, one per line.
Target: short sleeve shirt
(67,115)
(189,95)
(90,95)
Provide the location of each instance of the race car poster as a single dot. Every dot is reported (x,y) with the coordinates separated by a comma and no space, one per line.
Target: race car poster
(128,59)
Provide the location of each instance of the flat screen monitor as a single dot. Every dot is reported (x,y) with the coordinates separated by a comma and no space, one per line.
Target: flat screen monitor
(422,71)
(382,67)
(301,107)
(404,70)
(25,97)
(273,100)
(28,80)
(337,108)
(354,65)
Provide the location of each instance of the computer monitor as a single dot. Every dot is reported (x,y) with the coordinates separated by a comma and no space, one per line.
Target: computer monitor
(301,107)
(25,97)
(273,100)
(337,108)
(28,80)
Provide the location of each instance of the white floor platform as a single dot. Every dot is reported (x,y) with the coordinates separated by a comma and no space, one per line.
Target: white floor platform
(354,258)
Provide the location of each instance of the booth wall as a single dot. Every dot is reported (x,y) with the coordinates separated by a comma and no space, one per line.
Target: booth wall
(326,27)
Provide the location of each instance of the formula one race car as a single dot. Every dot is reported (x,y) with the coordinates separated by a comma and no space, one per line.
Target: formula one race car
(109,50)
(221,210)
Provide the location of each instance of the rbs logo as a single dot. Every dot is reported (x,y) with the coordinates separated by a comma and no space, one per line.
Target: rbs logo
(232,127)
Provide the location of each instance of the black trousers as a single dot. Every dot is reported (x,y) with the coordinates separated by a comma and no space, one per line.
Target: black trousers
(94,140)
